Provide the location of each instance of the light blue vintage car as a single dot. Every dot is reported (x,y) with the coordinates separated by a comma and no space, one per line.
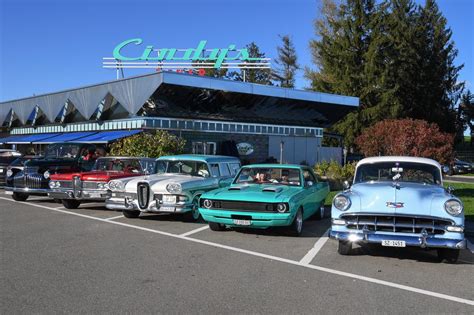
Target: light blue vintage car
(265,195)
(399,202)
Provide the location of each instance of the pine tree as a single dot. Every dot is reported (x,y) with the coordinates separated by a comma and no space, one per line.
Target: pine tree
(260,76)
(287,62)
(398,58)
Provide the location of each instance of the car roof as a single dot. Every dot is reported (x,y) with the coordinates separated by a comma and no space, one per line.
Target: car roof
(126,158)
(411,159)
(274,165)
(201,158)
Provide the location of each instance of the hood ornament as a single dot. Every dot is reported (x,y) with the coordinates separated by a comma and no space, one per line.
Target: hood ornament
(395,204)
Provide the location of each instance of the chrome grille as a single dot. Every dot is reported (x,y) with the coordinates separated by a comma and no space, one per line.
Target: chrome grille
(396,223)
(143,194)
(65,183)
(30,180)
(241,206)
(90,185)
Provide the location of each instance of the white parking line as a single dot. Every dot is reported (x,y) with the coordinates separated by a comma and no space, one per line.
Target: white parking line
(117,217)
(202,228)
(315,250)
(270,257)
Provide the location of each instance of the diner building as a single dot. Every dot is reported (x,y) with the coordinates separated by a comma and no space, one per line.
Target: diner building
(214,116)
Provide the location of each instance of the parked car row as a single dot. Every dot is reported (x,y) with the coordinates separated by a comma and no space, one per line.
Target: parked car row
(393,201)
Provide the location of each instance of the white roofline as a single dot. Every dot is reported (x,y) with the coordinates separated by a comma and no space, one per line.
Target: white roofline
(378,159)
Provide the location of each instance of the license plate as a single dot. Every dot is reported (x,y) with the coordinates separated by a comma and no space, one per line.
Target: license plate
(8,192)
(242,222)
(94,195)
(169,199)
(167,209)
(393,243)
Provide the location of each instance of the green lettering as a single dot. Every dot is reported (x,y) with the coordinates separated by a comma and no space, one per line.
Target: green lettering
(117,55)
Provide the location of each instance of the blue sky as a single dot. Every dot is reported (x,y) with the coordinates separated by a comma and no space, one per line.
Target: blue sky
(49,45)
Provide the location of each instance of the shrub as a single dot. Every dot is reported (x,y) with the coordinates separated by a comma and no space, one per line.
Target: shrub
(334,173)
(407,137)
(152,145)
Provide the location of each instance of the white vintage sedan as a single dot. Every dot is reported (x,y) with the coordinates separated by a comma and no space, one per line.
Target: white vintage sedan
(175,188)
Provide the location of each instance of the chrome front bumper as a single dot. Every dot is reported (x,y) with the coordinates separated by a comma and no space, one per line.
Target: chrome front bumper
(121,203)
(422,240)
(79,194)
(25,190)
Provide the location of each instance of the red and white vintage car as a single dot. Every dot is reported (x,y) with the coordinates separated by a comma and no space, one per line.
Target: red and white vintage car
(74,188)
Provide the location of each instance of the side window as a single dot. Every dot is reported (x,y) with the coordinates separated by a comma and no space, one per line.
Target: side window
(234,168)
(309,176)
(214,170)
(224,169)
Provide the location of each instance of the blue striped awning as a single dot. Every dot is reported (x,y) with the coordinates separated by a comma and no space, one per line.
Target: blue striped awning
(28,139)
(66,137)
(108,136)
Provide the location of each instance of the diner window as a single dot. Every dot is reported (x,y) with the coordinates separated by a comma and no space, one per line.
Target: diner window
(201,147)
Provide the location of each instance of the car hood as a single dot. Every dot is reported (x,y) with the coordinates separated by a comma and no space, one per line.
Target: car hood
(158,182)
(254,192)
(409,198)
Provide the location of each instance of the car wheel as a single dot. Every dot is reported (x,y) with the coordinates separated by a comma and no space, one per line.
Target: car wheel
(296,228)
(131,214)
(194,214)
(319,215)
(71,203)
(449,255)
(344,248)
(214,226)
(20,196)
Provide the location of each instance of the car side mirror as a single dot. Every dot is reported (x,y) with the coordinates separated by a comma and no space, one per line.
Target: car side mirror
(309,183)
(450,189)
(346,185)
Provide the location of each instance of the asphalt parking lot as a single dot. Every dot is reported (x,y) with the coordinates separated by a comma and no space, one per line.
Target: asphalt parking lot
(93,260)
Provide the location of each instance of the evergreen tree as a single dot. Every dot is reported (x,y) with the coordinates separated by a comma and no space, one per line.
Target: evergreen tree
(466,109)
(287,62)
(398,58)
(260,76)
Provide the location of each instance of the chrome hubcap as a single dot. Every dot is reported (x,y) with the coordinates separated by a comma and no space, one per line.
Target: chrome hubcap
(322,211)
(195,211)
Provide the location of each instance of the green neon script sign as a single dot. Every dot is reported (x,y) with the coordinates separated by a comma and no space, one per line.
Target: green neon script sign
(218,56)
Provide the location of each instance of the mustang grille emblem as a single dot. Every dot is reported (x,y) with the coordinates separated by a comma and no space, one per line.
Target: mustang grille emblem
(143,194)
(392,204)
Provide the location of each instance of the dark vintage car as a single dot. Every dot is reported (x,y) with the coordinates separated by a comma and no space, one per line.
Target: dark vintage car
(59,158)
(7,156)
(76,187)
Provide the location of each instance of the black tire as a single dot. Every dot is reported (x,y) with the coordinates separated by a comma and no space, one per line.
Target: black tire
(216,226)
(193,215)
(131,214)
(449,255)
(344,248)
(296,228)
(71,203)
(319,214)
(20,196)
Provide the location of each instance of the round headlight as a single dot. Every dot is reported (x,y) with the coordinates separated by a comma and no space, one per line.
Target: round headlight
(207,203)
(453,207)
(281,207)
(173,188)
(52,184)
(46,174)
(100,185)
(341,202)
(116,185)
(9,173)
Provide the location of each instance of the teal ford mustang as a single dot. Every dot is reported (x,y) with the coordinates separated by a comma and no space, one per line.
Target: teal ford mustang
(265,195)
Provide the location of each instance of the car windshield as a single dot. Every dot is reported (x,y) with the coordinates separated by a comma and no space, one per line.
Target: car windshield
(273,175)
(401,171)
(62,151)
(119,165)
(194,168)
